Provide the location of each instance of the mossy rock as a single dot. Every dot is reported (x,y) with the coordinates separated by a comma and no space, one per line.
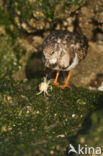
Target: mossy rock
(33,125)
(93,135)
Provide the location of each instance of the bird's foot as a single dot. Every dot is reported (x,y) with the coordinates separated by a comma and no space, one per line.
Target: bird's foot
(55,83)
(64,86)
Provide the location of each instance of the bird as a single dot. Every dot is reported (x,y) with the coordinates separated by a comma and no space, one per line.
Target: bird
(63,51)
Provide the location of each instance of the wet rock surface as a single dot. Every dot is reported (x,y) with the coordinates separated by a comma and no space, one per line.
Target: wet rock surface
(90,67)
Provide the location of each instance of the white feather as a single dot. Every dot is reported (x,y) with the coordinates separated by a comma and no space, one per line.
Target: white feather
(75,62)
(53,61)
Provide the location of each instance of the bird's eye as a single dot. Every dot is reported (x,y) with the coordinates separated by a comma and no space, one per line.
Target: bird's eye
(52,52)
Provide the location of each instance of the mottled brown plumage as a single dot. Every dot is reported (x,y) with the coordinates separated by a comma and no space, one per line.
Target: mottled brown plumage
(63,50)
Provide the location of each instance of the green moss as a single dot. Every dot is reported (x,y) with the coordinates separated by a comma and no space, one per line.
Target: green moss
(10,55)
(34,124)
(92,134)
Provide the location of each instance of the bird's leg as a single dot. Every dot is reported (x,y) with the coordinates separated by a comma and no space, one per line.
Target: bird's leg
(56,79)
(67,81)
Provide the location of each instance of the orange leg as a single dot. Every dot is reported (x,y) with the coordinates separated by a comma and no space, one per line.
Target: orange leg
(67,81)
(56,79)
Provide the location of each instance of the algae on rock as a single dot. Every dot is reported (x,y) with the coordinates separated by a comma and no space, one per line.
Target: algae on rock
(41,125)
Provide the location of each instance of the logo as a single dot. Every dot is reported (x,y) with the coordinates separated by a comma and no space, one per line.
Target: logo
(84,150)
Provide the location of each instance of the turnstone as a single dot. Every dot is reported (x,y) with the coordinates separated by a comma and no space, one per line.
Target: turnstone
(62,51)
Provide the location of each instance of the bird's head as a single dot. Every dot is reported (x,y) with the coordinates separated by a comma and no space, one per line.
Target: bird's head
(51,55)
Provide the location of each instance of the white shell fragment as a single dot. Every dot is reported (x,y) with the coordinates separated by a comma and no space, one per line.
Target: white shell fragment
(44,86)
